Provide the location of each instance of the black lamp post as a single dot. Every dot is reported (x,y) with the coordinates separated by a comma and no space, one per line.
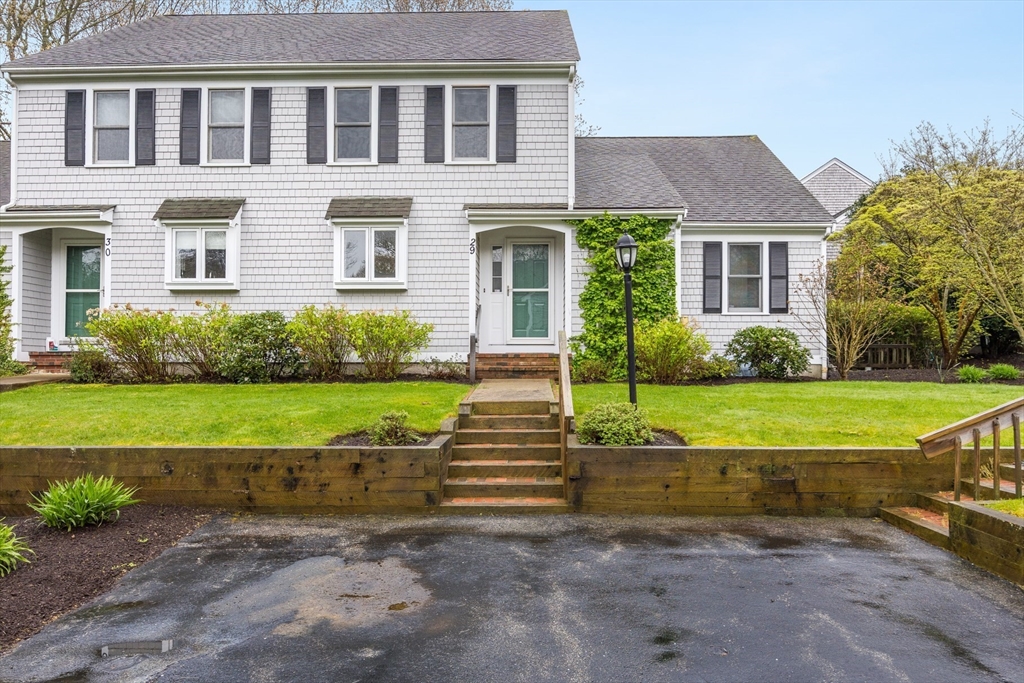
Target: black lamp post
(625,254)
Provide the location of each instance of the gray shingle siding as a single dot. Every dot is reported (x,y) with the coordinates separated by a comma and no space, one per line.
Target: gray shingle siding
(535,36)
(836,188)
(36,258)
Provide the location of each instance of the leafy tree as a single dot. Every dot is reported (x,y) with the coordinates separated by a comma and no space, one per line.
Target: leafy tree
(8,366)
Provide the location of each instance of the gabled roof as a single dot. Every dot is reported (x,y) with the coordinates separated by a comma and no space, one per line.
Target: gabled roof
(282,39)
(197,209)
(5,171)
(837,185)
(716,179)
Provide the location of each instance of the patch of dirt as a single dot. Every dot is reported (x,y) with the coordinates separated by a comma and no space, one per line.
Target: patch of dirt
(667,438)
(932,375)
(362,440)
(70,568)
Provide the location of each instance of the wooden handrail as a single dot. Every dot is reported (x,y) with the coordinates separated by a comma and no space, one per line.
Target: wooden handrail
(971,431)
(566,412)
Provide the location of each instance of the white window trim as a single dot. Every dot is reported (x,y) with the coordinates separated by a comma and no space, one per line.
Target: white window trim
(763,309)
(399,282)
(204,127)
(332,143)
(230,283)
(492,128)
(90,137)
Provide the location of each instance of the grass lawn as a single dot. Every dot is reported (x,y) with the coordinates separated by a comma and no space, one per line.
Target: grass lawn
(1013,507)
(803,413)
(214,414)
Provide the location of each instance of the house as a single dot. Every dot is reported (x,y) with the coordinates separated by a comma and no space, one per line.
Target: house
(837,186)
(417,161)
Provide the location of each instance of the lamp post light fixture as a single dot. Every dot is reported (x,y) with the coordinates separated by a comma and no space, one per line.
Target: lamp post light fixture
(625,254)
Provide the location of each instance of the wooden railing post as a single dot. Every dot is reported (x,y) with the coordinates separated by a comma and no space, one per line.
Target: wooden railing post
(566,412)
(958,449)
(976,436)
(1016,455)
(996,484)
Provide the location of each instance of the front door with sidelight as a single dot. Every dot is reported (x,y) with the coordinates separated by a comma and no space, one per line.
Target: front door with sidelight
(528,291)
(82,284)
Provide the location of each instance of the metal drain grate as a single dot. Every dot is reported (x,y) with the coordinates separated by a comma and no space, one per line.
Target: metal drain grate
(140,647)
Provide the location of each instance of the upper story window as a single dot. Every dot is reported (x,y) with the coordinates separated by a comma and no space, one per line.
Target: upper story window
(470,123)
(352,124)
(227,125)
(744,277)
(111,126)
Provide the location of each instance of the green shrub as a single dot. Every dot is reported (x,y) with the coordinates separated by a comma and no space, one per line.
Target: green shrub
(969,374)
(385,342)
(138,342)
(615,424)
(90,365)
(85,501)
(8,366)
(450,370)
(323,337)
(12,550)
(1003,372)
(258,348)
(200,341)
(391,429)
(668,352)
(589,369)
(713,367)
(769,352)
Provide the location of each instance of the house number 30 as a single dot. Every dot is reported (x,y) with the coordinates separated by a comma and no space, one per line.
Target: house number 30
(106,247)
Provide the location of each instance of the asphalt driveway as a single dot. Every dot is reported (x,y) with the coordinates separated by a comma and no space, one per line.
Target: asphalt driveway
(560,598)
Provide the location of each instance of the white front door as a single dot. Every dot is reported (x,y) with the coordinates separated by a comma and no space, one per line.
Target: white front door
(529,266)
(82,280)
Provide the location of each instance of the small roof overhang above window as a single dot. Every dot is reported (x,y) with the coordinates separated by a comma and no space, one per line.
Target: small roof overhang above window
(369,210)
(209,209)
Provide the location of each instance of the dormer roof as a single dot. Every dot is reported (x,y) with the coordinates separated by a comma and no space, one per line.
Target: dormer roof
(319,39)
(837,185)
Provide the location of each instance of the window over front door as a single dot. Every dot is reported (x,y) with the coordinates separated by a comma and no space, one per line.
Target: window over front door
(82,286)
(111,127)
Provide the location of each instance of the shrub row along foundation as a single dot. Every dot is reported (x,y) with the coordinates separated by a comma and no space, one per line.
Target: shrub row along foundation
(668,480)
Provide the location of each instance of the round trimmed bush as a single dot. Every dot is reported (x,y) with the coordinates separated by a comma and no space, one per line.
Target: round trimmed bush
(615,424)
(770,352)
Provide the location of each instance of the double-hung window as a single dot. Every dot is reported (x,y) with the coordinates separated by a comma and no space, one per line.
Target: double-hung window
(471,128)
(200,255)
(745,278)
(111,127)
(227,126)
(370,254)
(352,124)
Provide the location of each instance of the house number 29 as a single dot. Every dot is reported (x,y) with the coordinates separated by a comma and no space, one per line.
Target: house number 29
(472,246)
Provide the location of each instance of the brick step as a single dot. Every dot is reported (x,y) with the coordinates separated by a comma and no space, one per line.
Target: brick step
(490,451)
(512,408)
(502,436)
(925,524)
(503,487)
(1007,489)
(477,505)
(504,468)
(508,421)
(48,361)
(515,374)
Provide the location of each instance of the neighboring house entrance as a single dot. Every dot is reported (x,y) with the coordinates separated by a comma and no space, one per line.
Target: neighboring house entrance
(528,295)
(82,283)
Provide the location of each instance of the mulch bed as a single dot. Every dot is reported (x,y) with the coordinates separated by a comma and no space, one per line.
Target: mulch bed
(362,440)
(71,568)
(667,438)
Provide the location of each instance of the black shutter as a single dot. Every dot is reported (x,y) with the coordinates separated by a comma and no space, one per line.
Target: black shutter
(778,276)
(387,126)
(506,152)
(145,127)
(433,129)
(712,277)
(316,125)
(74,128)
(259,139)
(189,128)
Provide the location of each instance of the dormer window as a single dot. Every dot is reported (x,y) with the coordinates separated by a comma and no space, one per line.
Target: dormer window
(352,124)
(111,127)
(470,123)
(227,125)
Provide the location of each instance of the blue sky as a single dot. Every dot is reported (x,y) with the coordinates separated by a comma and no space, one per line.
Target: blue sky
(813,79)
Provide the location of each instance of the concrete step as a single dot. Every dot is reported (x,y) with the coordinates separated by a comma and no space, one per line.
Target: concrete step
(488,451)
(502,436)
(508,421)
(503,487)
(924,524)
(511,408)
(504,468)
(503,506)
(1007,489)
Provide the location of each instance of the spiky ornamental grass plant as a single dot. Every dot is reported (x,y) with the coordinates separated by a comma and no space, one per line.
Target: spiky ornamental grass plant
(12,550)
(85,501)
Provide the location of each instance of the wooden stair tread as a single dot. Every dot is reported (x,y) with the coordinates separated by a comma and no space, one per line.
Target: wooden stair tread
(506,481)
(502,502)
(505,463)
(927,525)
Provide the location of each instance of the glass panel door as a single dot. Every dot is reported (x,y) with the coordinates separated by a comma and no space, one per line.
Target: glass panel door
(530,291)
(82,287)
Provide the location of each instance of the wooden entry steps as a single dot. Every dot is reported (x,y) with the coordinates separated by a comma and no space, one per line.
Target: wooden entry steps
(929,518)
(517,365)
(507,454)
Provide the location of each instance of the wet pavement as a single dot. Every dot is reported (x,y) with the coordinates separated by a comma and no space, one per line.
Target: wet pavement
(559,598)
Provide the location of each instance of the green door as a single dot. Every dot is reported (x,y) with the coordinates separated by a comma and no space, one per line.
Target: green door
(82,287)
(530,291)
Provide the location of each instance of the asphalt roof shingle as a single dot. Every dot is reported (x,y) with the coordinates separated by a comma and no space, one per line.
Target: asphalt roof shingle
(369,207)
(717,179)
(535,36)
(216,208)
